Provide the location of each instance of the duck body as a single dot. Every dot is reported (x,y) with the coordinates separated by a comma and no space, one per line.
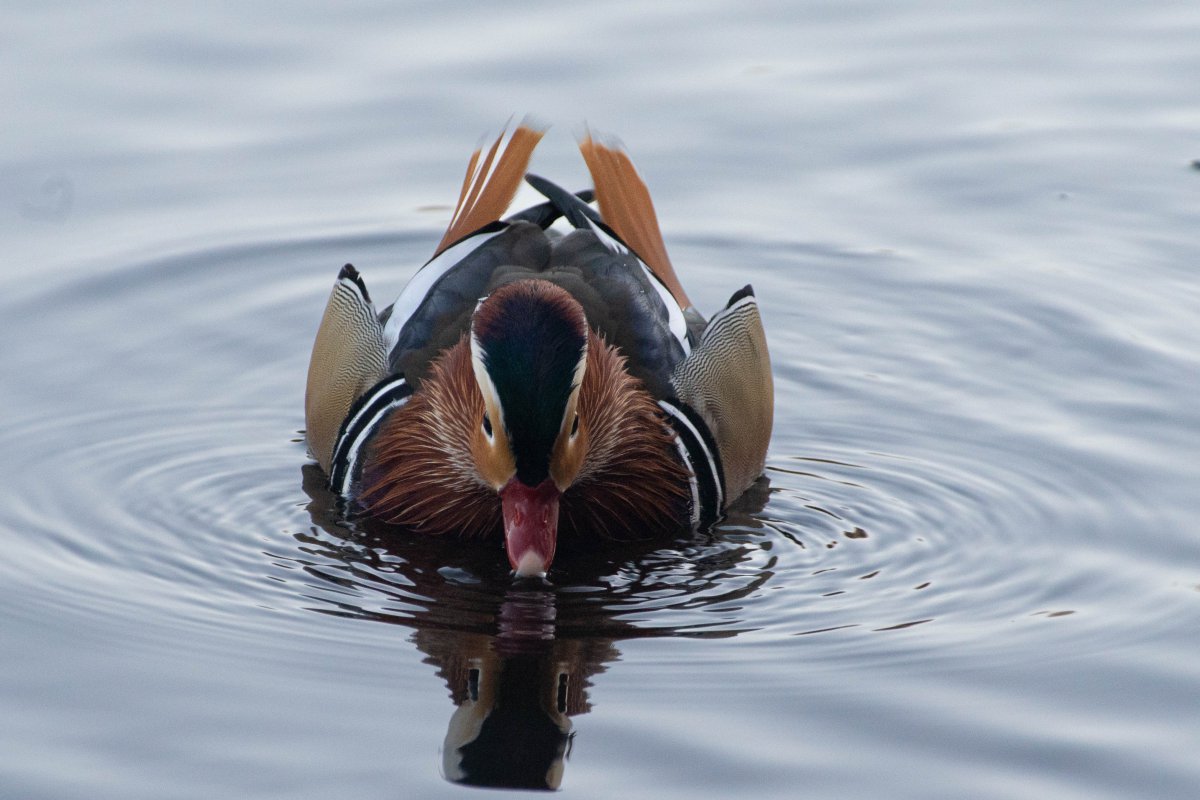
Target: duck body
(540,385)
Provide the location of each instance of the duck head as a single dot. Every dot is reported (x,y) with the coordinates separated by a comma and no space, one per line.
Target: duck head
(529,352)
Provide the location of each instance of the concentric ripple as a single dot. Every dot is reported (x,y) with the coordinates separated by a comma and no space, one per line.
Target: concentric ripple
(194,488)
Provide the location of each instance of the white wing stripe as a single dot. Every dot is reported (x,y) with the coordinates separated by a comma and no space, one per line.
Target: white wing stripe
(415,291)
(384,398)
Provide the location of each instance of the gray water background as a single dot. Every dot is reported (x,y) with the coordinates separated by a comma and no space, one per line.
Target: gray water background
(973,230)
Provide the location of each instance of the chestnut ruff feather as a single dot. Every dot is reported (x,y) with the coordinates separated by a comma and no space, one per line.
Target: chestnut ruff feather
(632,484)
(420,473)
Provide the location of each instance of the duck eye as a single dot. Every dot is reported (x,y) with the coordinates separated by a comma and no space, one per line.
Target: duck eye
(575,425)
(487,425)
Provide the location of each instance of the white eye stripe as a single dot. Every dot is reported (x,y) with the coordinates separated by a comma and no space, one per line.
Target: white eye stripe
(581,365)
(573,398)
(491,398)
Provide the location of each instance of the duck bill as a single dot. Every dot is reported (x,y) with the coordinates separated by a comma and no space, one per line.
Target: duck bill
(530,526)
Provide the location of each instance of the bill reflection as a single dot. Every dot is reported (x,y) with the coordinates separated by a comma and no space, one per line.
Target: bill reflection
(516,658)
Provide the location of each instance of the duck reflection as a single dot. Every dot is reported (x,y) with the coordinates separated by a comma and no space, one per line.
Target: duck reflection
(517,658)
(515,694)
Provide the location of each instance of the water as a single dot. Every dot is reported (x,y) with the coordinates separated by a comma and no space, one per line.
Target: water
(973,568)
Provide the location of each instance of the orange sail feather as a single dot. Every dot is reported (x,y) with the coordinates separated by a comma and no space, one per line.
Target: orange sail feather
(625,205)
(486,191)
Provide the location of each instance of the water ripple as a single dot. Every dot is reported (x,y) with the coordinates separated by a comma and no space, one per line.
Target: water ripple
(199,504)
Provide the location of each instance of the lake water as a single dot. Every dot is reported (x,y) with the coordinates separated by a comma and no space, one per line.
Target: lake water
(973,569)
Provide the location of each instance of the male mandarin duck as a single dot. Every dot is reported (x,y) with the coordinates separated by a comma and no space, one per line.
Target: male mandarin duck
(538,383)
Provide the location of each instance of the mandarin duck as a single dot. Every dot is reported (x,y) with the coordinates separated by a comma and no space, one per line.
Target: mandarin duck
(540,384)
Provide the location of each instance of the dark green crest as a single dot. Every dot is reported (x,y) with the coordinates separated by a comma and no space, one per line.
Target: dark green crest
(531,336)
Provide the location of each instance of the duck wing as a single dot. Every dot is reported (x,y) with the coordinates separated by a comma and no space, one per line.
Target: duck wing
(348,357)
(727,383)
